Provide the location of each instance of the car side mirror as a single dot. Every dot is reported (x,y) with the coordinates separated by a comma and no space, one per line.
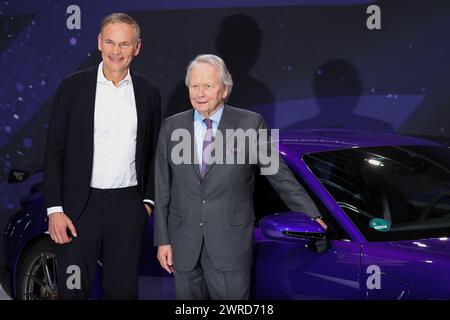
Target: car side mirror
(290,226)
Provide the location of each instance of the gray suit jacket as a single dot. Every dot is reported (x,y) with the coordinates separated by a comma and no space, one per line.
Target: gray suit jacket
(217,208)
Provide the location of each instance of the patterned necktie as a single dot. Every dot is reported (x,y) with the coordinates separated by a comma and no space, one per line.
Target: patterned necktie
(207,140)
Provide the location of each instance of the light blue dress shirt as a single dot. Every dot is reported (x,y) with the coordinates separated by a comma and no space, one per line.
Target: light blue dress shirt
(200,130)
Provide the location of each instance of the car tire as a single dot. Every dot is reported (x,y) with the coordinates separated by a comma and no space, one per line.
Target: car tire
(36,277)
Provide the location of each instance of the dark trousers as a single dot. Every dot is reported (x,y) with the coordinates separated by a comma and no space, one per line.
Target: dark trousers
(207,282)
(111,227)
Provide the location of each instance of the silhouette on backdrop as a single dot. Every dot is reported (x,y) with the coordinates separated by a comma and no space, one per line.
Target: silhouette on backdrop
(238,43)
(337,88)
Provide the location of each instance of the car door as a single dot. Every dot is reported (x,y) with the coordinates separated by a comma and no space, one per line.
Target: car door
(295,270)
(381,267)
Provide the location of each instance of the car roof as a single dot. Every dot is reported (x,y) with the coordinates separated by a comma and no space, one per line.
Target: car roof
(317,140)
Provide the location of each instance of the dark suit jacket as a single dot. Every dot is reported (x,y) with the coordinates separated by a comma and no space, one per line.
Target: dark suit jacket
(70,139)
(219,207)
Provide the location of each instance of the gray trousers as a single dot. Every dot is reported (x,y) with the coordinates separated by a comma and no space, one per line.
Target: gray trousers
(206,282)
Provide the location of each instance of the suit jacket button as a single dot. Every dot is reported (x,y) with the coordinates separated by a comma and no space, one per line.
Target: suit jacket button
(201,223)
(203,201)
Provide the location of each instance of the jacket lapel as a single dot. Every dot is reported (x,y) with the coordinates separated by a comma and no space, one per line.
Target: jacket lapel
(89,101)
(189,124)
(141,110)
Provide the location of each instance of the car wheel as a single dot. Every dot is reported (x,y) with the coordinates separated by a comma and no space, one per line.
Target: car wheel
(37,273)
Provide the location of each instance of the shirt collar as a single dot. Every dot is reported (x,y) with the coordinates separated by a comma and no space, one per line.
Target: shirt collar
(101,76)
(215,117)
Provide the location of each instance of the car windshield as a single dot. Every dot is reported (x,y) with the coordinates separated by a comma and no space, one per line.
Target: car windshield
(390,193)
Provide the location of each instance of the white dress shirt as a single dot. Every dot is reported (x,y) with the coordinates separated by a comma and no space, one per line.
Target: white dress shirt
(115,129)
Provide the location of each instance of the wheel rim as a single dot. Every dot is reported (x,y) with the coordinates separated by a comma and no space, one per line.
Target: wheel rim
(41,278)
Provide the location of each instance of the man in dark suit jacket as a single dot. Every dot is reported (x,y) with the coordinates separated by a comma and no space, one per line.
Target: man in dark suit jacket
(98,170)
(204,211)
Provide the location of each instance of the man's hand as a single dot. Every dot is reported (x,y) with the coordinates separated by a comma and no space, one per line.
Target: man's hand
(58,223)
(322,223)
(165,257)
(149,209)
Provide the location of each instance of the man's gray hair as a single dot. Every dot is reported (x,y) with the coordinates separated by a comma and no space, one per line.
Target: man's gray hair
(121,17)
(225,75)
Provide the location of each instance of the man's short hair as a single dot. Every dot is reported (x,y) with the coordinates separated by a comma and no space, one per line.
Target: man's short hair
(225,75)
(121,17)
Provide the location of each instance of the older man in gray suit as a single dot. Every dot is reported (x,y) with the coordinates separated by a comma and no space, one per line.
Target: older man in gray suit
(204,211)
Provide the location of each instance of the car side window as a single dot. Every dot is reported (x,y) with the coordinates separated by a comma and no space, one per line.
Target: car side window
(406,189)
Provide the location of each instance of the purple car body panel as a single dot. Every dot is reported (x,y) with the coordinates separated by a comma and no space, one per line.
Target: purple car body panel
(411,269)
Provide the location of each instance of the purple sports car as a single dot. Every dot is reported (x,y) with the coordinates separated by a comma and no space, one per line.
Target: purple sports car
(385,198)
